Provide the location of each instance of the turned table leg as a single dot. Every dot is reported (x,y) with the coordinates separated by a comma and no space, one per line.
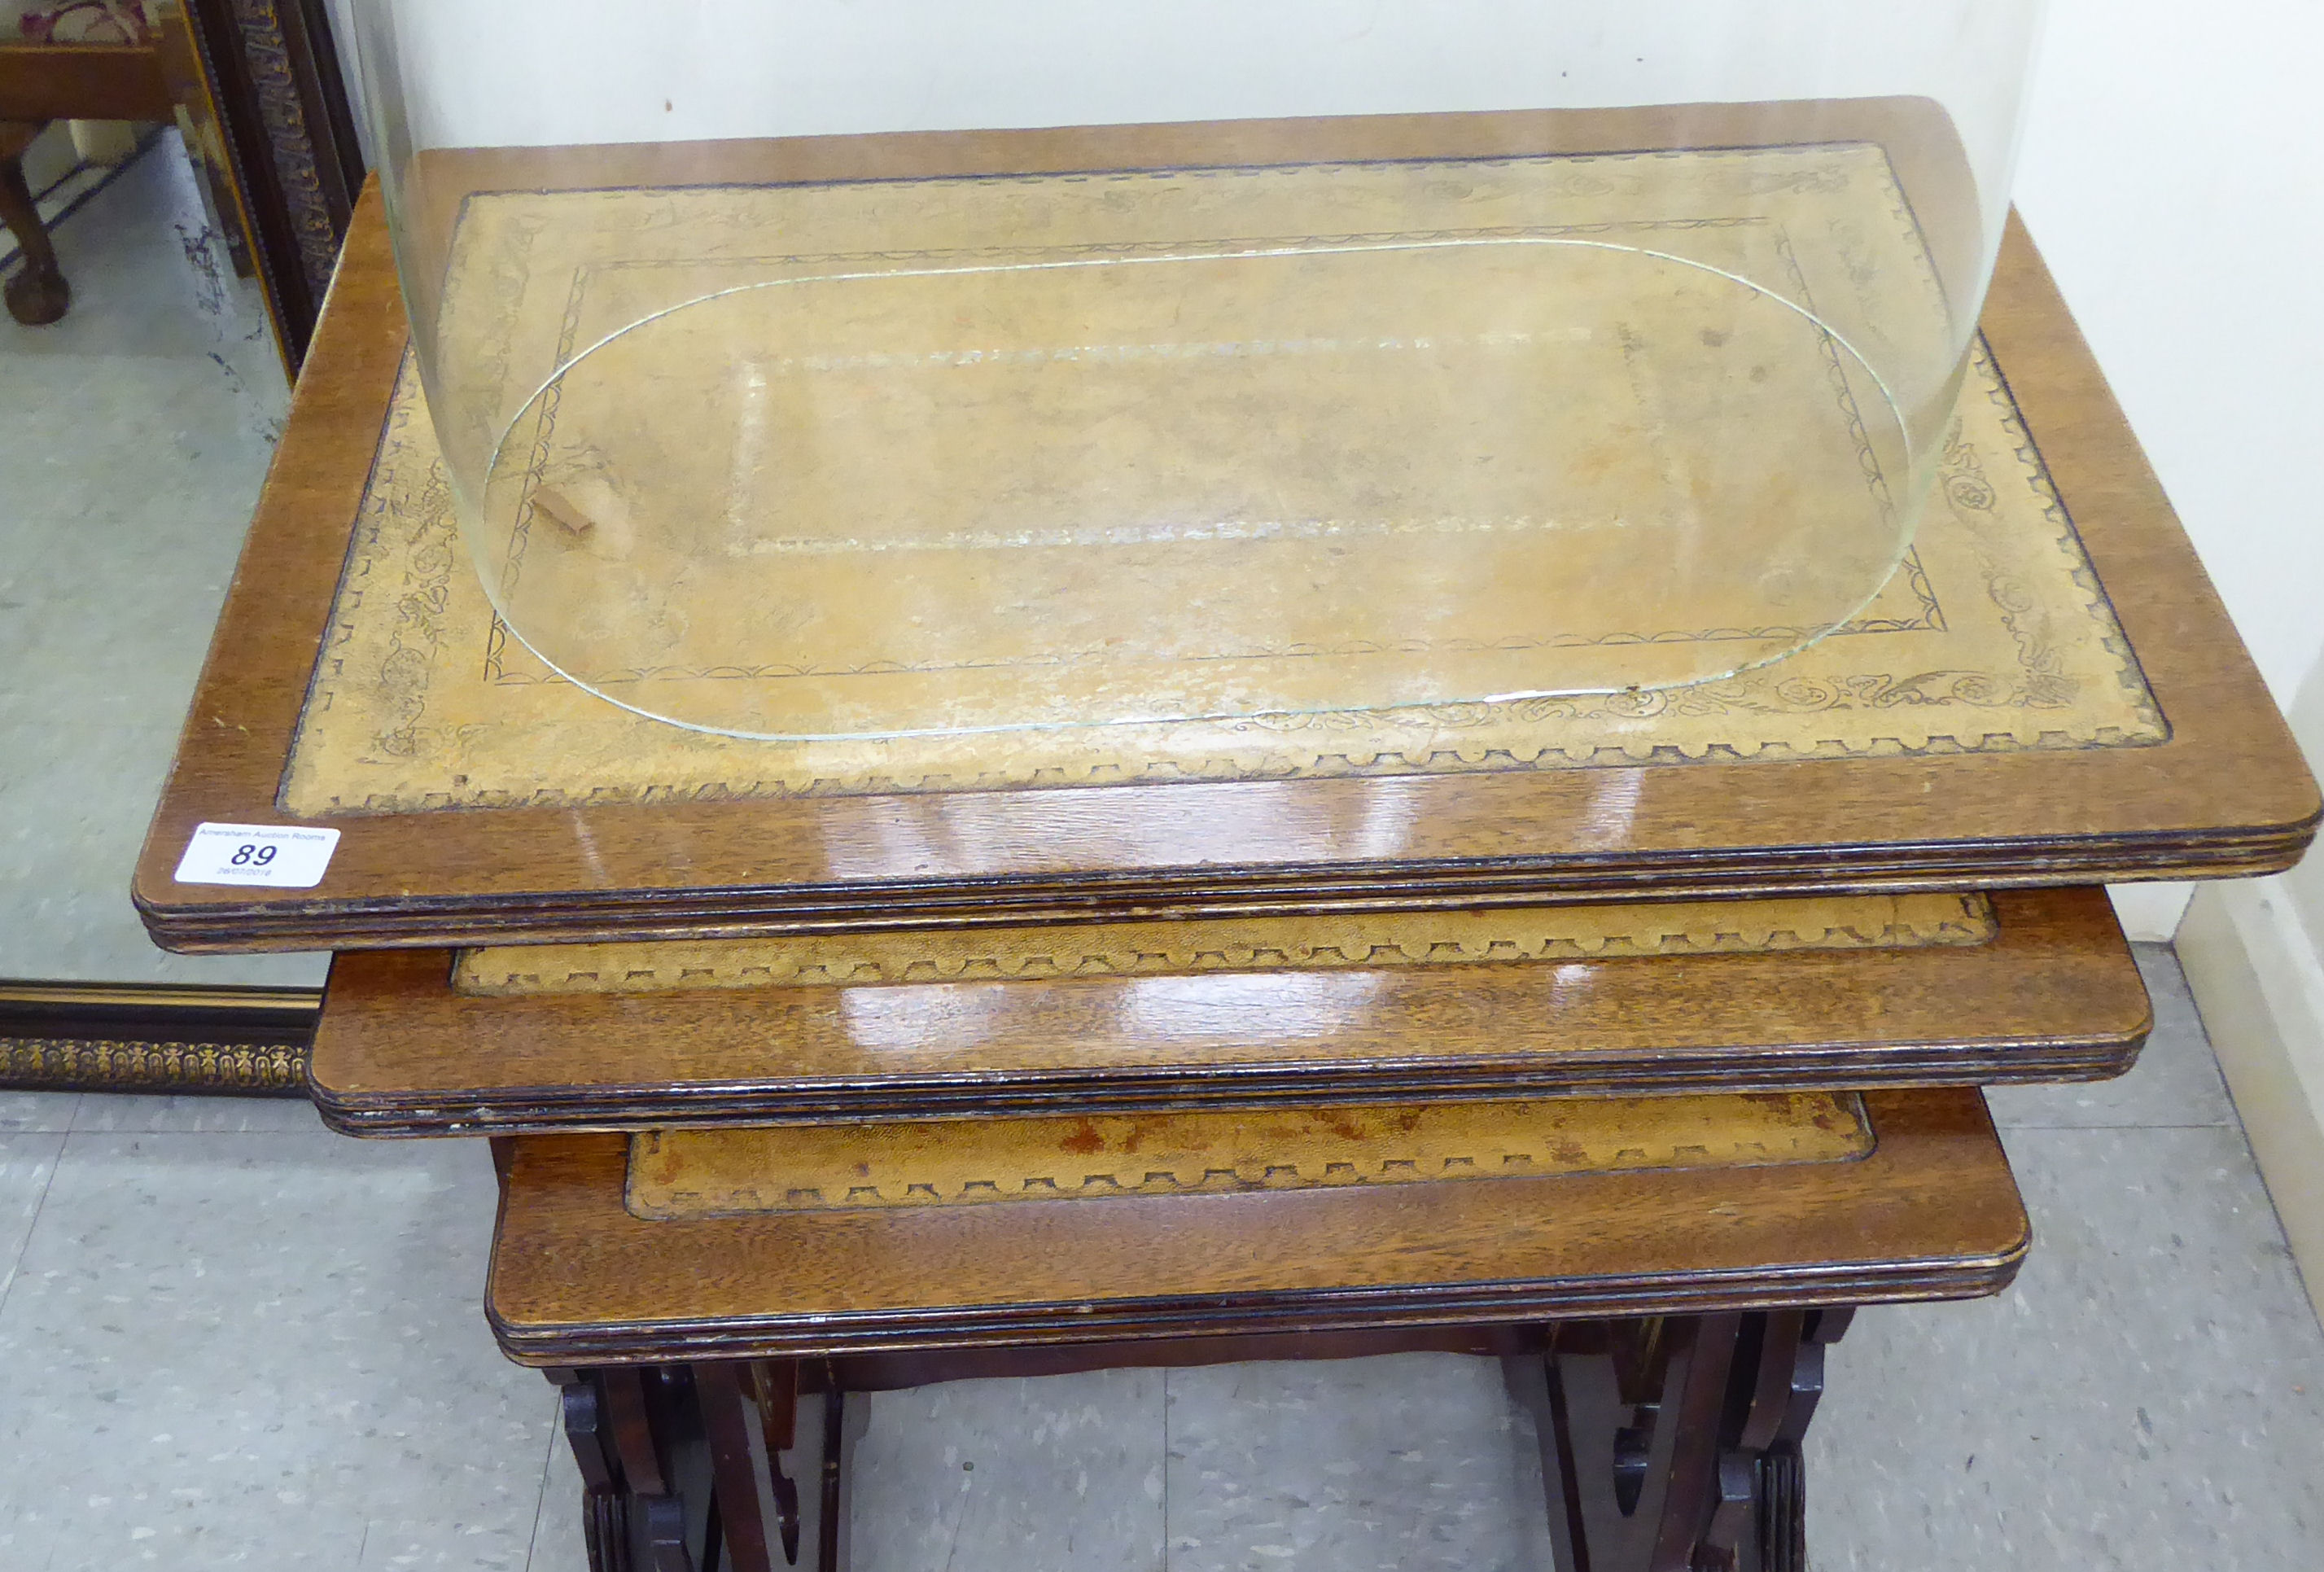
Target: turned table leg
(37,292)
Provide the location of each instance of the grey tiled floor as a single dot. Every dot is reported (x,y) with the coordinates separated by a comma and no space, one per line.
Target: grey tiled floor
(2150,1391)
(233,1339)
(236,1340)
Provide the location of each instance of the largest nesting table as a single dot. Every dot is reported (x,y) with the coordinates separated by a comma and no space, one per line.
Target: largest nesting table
(1633,1041)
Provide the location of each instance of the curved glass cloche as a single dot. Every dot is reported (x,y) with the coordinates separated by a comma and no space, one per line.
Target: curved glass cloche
(842,369)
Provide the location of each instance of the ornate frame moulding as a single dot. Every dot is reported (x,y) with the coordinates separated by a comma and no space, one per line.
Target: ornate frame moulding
(128,1037)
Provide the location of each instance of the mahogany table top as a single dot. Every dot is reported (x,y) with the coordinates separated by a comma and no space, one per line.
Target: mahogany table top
(1931,773)
(1929,1212)
(2047,992)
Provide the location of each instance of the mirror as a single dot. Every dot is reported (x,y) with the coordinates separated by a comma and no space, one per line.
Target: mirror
(174,182)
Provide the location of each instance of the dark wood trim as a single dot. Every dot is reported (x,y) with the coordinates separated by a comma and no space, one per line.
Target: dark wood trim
(896,1370)
(1850,1068)
(128,1037)
(273,71)
(1664,1442)
(83,81)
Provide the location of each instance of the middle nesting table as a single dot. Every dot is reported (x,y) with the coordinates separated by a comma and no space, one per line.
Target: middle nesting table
(1824,992)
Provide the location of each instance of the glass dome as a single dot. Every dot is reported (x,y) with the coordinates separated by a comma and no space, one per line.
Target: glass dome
(842,369)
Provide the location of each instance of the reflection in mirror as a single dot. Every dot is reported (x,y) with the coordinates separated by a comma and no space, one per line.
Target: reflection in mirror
(135,432)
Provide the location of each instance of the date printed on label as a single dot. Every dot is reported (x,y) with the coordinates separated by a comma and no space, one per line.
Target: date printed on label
(285,856)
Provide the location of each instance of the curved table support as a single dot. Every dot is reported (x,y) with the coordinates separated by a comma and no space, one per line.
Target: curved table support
(37,292)
(1668,1444)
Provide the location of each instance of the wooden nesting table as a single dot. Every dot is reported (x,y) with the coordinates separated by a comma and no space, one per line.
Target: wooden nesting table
(1637,1049)
(1663,1303)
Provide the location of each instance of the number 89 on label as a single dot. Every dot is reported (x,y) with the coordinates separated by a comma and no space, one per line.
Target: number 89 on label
(284,856)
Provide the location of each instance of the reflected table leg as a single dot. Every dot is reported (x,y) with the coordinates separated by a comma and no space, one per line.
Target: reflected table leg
(37,292)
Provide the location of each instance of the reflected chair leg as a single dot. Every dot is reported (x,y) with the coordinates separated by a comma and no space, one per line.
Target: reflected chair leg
(37,294)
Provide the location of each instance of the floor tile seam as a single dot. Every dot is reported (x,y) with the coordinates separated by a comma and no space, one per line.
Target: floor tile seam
(78,1130)
(50,727)
(39,1208)
(227,517)
(541,1503)
(192,357)
(1166,1546)
(2097,1129)
(2290,1256)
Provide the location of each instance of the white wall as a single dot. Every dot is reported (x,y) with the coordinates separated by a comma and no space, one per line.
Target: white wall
(342,16)
(2253,951)
(549,72)
(522,72)
(2173,175)
(2305,883)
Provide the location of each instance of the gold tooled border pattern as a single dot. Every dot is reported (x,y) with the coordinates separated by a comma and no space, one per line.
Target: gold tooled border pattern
(378,734)
(1505,935)
(676,1175)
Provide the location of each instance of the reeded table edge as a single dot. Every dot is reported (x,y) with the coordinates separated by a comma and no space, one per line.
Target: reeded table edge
(1673,1293)
(644,915)
(550,1110)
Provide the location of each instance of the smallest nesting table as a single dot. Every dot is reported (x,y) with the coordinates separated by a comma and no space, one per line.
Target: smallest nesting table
(1660,1276)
